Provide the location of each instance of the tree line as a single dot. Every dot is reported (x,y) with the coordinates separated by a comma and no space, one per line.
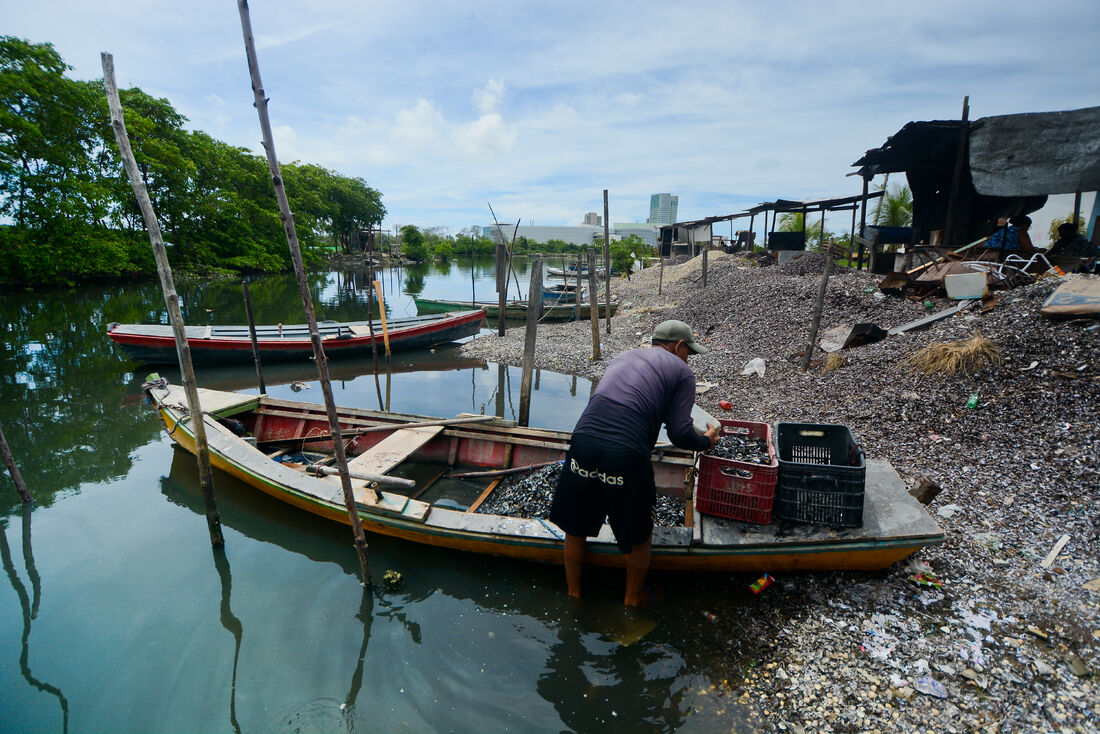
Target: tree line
(434,243)
(68,214)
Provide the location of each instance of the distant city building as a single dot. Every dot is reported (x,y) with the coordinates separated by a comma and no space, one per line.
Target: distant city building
(593,219)
(647,233)
(662,209)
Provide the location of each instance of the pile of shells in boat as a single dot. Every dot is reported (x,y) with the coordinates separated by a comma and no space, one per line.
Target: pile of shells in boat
(740,448)
(530,495)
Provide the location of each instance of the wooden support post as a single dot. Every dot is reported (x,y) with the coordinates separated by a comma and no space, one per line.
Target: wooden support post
(303,286)
(706,249)
(593,304)
(821,232)
(817,310)
(863,219)
(948,239)
(766,228)
(661,265)
(534,296)
(607,262)
(1076,212)
(13,470)
(171,300)
(252,336)
(751,244)
(852,236)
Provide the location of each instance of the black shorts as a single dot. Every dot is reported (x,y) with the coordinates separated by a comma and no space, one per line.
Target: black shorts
(599,482)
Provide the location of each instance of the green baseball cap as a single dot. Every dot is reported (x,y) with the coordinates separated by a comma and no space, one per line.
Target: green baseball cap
(674,331)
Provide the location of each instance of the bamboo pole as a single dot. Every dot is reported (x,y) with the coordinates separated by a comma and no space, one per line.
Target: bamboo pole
(817,309)
(534,296)
(252,336)
(171,300)
(303,285)
(13,470)
(607,262)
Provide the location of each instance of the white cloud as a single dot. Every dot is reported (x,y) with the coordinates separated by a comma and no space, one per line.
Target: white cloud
(488,98)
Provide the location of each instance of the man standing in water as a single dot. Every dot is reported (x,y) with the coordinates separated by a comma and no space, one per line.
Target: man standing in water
(607,471)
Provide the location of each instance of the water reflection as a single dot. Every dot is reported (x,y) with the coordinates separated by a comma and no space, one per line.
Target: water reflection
(232,625)
(29,607)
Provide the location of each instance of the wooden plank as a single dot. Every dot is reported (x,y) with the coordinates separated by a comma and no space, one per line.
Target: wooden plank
(392,450)
(931,318)
(1055,551)
(484,495)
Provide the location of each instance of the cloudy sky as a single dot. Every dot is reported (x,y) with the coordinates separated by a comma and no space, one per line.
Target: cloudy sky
(536,107)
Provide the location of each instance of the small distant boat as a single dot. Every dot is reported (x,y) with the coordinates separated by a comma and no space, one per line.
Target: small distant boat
(284,448)
(571,272)
(514,310)
(156,343)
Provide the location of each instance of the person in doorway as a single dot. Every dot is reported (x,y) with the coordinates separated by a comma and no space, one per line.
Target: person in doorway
(1070,243)
(607,471)
(1014,237)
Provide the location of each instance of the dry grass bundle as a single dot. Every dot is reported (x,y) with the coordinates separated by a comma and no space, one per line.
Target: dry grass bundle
(834,362)
(951,357)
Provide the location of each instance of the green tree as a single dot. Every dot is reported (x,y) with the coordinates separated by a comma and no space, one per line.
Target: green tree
(412,243)
(895,208)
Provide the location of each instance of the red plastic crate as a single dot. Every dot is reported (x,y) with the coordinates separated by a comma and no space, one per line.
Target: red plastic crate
(739,490)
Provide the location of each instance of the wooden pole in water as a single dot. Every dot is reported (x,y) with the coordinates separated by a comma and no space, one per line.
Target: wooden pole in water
(593,304)
(303,285)
(817,309)
(607,262)
(171,300)
(9,461)
(502,288)
(382,315)
(534,296)
(252,336)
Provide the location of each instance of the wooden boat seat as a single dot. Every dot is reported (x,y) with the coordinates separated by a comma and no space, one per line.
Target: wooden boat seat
(382,458)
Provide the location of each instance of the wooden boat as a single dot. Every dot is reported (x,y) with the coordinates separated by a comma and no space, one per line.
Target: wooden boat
(441,507)
(514,310)
(155,343)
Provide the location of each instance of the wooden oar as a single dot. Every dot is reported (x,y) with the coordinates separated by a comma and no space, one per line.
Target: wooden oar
(383,479)
(375,429)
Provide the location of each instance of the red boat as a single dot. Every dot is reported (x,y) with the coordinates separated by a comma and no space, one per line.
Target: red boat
(156,344)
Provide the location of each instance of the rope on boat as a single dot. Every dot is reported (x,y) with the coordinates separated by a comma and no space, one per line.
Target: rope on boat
(551,530)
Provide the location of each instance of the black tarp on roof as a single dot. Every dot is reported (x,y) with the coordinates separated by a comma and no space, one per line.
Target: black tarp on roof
(1037,153)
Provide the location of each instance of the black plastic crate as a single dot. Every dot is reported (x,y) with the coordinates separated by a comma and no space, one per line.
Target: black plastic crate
(822,474)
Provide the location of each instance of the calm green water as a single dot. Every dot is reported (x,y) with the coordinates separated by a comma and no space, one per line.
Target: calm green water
(117,616)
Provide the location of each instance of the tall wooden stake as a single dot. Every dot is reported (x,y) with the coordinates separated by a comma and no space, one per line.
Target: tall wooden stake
(502,288)
(9,461)
(303,286)
(593,303)
(863,220)
(607,262)
(956,177)
(252,336)
(817,309)
(171,300)
(534,296)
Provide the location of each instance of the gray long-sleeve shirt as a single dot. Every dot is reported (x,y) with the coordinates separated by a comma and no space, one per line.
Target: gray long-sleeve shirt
(640,390)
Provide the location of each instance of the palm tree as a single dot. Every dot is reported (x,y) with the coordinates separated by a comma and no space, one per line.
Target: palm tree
(895,207)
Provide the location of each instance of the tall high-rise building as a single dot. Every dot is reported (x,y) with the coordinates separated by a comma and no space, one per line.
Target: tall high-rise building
(662,208)
(593,219)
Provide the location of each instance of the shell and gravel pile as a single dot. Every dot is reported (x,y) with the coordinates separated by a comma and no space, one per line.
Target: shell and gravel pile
(530,495)
(1008,640)
(739,448)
